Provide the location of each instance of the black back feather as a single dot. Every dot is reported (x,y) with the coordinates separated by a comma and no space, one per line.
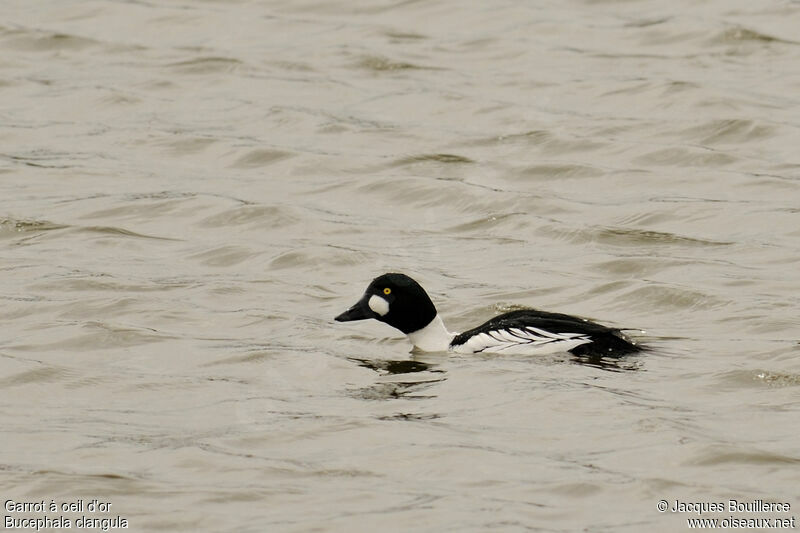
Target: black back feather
(606,341)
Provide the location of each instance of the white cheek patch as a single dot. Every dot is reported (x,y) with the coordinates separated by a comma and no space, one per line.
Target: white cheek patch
(378,304)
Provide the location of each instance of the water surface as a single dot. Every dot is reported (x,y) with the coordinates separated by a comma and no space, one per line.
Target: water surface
(192,190)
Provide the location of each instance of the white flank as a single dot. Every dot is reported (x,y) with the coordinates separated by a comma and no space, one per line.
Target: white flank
(378,304)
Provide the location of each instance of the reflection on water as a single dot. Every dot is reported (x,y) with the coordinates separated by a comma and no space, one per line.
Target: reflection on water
(403,366)
(626,363)
(405,378)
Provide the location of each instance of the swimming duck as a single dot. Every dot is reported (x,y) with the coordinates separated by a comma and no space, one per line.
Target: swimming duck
(401,302)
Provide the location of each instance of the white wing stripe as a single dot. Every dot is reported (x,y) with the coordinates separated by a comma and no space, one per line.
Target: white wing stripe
(556,336)
(533,338)
(517,332)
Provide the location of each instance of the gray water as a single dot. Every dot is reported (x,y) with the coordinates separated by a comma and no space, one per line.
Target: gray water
(190,191)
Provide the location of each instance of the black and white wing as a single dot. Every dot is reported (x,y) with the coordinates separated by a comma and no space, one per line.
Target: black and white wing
(522,341)
(530,332)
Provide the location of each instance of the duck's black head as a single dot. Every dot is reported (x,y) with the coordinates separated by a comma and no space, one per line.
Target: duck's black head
(395,299)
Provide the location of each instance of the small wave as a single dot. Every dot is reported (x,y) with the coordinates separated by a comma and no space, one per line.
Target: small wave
(720,455)
(37,41)
(559,171)
(616,236)
(686,157)
(225,256)
(313,257)
(485,223)
(729,131)
(190,145)
(777,379)
(433,158)
(739,34)
(120,232)
(46,374)
(206,65)
(261,157)
(663,297)
(10,227)
(270,216)
(383,64)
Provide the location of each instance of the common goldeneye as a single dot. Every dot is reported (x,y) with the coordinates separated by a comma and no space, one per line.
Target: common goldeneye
(402,303)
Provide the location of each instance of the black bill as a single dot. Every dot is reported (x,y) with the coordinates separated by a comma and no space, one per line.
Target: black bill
(359,311)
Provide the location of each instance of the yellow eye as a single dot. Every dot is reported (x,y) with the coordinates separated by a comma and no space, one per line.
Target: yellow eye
(387,290)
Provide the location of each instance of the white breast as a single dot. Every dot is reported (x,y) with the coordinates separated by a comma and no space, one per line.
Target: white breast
(432,338)
(522,341)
